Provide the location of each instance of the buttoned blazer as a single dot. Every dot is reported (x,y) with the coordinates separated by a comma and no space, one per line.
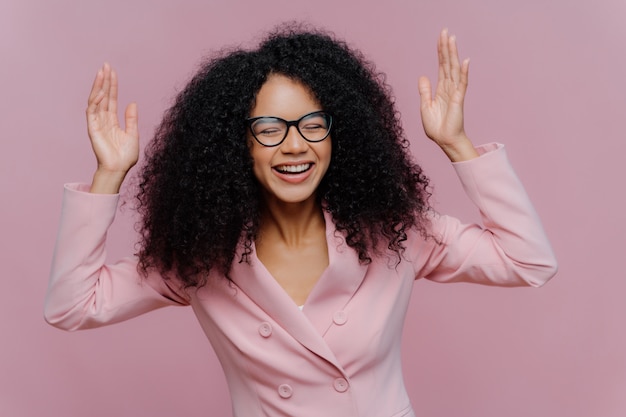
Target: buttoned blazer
(340,355)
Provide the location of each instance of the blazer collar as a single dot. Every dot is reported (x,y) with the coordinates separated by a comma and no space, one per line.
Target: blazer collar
(334,289)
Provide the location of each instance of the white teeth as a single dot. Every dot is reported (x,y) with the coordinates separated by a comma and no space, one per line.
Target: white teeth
(293,169)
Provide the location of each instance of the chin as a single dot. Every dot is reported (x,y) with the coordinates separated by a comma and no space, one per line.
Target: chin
(291,198)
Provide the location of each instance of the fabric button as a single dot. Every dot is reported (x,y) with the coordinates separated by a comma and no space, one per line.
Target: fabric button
(265,329)
(285,391)
(340,385)
(340,318)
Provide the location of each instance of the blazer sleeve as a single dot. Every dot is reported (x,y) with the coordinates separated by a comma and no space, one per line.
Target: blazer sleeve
(510,248)
(83,291)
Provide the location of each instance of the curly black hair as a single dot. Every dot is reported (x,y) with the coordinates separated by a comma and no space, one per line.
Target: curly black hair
(198,197)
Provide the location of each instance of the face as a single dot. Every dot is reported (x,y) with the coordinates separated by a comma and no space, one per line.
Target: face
(291,171)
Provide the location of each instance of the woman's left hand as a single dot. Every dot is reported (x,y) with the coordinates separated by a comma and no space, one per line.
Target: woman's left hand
(442,116)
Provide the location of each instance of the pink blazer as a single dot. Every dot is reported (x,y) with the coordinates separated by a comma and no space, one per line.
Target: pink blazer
(340,355)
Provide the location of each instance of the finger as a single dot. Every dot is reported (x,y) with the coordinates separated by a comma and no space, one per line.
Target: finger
(131,120)
(464,76)
(440,72)
(461,88)
(425,90)
(96,87)
(96,95)
(113,93)
(106,87)
(453,54)
(444,54)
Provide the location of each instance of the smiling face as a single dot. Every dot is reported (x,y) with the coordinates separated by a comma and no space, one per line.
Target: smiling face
(291,171)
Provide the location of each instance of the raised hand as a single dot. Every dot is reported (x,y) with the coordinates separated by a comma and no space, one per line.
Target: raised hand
(442,115)
(116,149)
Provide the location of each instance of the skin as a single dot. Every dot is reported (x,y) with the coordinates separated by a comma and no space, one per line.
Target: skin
(292,238)
(292,241)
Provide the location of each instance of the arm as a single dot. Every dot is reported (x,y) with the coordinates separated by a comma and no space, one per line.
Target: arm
(83,292)
(511,248)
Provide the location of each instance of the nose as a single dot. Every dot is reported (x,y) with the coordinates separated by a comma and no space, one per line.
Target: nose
(294,142)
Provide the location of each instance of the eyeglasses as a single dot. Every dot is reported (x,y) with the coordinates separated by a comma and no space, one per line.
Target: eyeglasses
(272,131)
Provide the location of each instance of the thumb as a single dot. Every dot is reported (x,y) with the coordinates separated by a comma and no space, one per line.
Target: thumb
(425,90)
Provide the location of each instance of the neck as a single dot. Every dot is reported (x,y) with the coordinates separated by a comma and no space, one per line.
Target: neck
(292,223)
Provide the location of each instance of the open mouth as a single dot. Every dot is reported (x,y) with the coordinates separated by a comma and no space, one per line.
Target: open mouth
(293,169)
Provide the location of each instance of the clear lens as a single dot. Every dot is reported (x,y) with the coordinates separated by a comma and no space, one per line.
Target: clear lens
(314,126)
(271,131)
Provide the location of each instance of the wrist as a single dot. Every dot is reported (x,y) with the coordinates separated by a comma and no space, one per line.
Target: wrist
(460,150)
(107,182)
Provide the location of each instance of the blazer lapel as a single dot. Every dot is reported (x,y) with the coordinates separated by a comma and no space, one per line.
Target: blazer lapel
(332,292)
(259,285)
(338,283)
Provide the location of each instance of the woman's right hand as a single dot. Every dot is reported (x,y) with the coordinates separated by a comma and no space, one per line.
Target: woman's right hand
(116,149)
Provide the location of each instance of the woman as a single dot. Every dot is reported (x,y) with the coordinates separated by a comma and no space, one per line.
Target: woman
(280,181)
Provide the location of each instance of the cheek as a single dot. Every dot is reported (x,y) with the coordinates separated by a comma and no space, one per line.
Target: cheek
(261,158)
(326,152)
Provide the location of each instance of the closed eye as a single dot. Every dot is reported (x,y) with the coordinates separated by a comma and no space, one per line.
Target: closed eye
(312,127)
(269,131)
(267,127)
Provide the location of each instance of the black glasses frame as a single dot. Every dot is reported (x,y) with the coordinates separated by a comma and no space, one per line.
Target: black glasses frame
(290,123)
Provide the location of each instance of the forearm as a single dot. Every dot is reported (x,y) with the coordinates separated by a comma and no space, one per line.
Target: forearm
(510,248)
(83,290)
